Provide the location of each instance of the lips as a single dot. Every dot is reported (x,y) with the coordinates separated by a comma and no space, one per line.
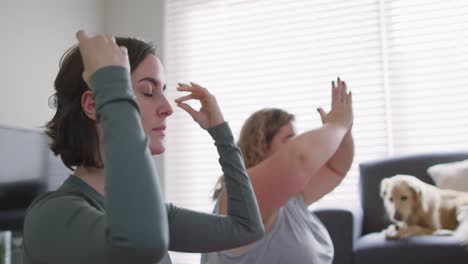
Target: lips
(159,129)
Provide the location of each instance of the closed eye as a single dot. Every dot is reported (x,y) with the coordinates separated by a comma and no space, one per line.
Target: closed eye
(149,85)
(404,198)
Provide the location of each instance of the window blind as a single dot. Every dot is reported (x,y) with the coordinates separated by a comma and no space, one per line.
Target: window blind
(403,60)
(427,43)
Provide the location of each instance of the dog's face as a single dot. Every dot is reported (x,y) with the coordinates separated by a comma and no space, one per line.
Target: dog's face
(401,195)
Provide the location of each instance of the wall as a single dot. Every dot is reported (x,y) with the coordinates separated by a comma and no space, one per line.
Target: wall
(35,34)
(143,19)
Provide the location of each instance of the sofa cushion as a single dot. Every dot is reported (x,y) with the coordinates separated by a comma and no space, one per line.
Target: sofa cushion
(453,175)
(374,248)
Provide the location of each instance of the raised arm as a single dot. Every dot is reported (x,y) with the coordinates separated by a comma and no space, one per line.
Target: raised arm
(336,168)
(134,227)
(136,215)
(332,173)
(199,232)
(286,172)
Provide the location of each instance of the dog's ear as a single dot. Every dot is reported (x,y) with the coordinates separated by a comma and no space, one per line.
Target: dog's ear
(383,188)
(419,189)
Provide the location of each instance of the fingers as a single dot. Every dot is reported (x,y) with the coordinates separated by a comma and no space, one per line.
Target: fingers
(342,89)
(334,93)
(123,49)
(322,114)
(185,88)
(194,88)
(188,109)
(199,87)
(197,92)
(185,98)
(81,36)
(111,38)
(340,92)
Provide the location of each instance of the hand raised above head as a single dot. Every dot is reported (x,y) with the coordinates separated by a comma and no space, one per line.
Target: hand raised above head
(341,112)
(98,52)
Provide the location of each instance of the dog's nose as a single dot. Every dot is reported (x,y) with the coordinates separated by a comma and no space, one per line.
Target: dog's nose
(397,216)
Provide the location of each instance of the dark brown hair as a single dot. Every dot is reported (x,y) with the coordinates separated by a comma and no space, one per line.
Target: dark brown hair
(255,138)
(73,135)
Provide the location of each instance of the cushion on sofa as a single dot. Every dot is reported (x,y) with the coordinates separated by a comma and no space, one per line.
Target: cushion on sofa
(453,175)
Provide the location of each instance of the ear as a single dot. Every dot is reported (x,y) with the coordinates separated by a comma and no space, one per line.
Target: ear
(383,187)
(419,189)
(88,105)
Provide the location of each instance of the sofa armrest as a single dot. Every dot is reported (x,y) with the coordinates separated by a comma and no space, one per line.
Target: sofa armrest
(344,226)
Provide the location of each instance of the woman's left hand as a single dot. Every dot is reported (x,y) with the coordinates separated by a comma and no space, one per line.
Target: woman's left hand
(209,114)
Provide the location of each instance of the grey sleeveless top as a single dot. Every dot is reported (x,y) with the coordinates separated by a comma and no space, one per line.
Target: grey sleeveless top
(297,236)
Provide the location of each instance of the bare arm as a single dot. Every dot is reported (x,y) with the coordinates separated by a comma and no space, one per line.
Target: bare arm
(336,168)
(332,173)
(286,172)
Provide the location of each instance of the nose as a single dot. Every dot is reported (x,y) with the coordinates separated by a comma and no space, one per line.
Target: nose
(397,216)
(165,110)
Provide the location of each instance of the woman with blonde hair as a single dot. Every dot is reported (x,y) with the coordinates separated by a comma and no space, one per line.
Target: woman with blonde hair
(288,173)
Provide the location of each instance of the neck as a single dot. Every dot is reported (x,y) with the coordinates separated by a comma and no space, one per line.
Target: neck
(94,177)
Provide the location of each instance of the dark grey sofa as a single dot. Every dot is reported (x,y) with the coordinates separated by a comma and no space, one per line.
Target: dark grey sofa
(344,227)
(357,233)
(27,169)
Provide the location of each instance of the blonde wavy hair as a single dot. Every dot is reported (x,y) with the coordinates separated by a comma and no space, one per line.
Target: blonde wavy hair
(256,136)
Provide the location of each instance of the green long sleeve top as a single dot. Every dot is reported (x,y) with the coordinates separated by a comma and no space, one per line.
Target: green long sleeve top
(131,224)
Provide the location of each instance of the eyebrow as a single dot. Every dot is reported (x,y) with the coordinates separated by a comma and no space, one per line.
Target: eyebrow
(153,81)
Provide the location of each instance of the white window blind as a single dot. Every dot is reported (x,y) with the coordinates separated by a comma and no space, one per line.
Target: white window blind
(428,44)
(403,60)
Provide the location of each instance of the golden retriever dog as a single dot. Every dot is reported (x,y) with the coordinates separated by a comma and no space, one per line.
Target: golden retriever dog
(418,208)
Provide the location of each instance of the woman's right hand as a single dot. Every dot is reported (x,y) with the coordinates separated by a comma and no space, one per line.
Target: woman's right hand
(98,52)
(341,113)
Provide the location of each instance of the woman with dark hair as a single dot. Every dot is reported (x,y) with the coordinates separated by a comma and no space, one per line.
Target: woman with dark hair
(110,119)
(289,173)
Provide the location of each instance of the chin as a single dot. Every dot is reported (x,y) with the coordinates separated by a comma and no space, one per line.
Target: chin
(157,149)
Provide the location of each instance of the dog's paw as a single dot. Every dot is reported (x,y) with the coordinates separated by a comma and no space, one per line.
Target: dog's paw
(462,213)
(463,240)
(391,232)
(443,232)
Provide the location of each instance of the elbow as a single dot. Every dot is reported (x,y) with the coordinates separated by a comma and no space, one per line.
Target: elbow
(154,247)
(258,232)
(248,231)
(142,248)
(251,235)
